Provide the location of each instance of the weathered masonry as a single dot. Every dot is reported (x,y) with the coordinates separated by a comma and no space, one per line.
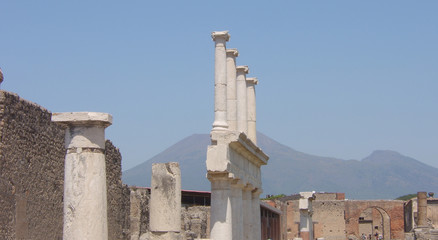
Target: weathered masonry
(233,158)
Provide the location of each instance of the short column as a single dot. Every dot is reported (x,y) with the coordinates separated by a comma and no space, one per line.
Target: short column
(220,210)
(251,103)
(220,81)
(256,220)
(85,200)
(165,205)
(242,111)
(236,208)
(422,209)
(231,89)
(247,211)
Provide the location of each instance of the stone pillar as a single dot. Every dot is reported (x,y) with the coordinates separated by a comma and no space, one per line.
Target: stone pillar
(221,211)
(305,206)
(422,209)
(256,221)
(247,212)
(165,205)
(220,81)
(231,89)
(85,200)
(242,110)
(236,208)
(251,102)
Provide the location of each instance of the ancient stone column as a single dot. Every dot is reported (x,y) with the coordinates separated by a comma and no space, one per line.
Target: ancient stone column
(236,208)
(306,223)
(85,200)
(247,212)
(422,209)
(231,89)
(255,208)
(251,102)
(221,213)
(165,203)
(220,81)
(242,111)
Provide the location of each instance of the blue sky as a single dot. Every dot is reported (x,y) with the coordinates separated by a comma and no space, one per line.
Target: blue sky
(336,78)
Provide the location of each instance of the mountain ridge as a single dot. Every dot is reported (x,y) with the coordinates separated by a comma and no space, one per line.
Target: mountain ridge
(384,174)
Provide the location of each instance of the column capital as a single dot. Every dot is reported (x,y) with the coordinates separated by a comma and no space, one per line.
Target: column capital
(86,119)
(232,52)
(244,69)
(216,35)
(252,80)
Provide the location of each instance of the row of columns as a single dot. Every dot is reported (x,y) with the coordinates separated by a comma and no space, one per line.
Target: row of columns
(235,104)
(235,209)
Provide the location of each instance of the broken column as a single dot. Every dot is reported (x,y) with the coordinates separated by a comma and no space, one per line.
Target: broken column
(422,209)
(231,89)
(220,80)
(242,110)
(305,206)
(251,104)
(85,200)
(165,203)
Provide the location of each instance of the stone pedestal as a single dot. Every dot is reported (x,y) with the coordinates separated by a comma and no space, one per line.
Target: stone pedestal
(85,200)
(306,212)
(165,203)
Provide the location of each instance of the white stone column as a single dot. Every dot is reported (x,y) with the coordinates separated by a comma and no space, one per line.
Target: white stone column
(306,212)
(85,200)
(165,204)
(242,111)
(221,211)
(247,212)
(236,208)
(251,102)
(220,81)
(231,89)
(256,221)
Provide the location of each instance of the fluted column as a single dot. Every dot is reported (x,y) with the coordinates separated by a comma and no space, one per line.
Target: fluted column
(85,200)
(251,103)
(221,211)
(242,111)
(231,89)
(220,81)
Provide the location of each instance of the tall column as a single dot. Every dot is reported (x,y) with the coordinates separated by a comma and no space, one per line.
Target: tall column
(85,201)
(221,213)
(231,89)
(247,212)
(306,212)
(220,81)
(256,225)
(242,111)
(251,102)
(236,208)
(422,209)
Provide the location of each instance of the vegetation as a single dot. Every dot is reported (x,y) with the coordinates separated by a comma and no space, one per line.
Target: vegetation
(407,197)
(272,197)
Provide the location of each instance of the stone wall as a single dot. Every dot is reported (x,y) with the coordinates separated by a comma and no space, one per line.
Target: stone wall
(328,218)
(31,171)
(32,175)
(195,221)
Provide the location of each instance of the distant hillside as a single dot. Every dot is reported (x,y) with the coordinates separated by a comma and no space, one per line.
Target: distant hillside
(382,175)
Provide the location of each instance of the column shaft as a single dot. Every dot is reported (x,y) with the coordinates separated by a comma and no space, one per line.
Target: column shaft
(251,103)
(256,225)
(247,213)
(236,208)
(231,89)
(242,120)
(221,213)
(220,81)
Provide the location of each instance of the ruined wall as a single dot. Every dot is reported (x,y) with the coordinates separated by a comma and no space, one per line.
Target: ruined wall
(328,218)
(432,212)
(195,221)
(31,171)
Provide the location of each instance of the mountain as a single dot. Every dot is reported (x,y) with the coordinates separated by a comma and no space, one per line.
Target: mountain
(382,175)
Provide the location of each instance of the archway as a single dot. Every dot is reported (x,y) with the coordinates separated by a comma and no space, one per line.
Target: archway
(375,221)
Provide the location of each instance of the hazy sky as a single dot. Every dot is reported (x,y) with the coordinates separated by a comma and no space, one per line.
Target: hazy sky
(336,78)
